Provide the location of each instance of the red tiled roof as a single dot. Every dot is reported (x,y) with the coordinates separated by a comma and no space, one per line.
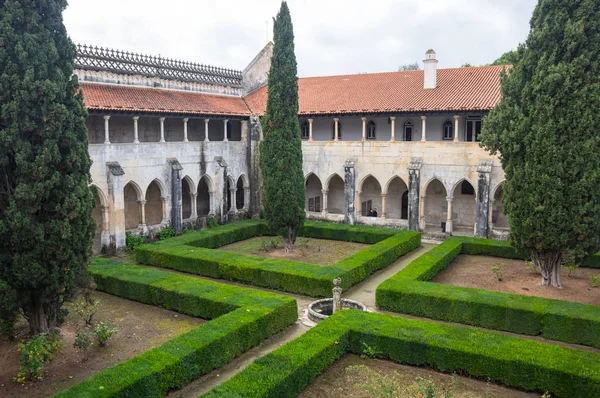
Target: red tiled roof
(139,99)
(459,89)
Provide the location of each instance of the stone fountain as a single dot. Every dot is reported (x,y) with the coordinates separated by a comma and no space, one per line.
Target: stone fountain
(321,309)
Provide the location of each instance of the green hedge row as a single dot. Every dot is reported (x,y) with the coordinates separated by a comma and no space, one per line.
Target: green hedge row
(244,318)
(552,319)
(592,261)
(407,293)
(284,275)
(345,232)
(516,362)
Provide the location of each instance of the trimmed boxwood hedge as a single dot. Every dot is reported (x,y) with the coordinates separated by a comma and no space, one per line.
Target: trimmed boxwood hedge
(513,361)
(407,293)
(193,253)
(242,318)
(592,261)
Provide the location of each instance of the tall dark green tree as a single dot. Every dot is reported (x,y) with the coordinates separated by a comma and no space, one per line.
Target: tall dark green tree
(508,58)
(546,130)
(45,200)
(281,150)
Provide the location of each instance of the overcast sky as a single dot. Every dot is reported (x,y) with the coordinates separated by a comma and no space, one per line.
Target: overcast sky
(331,36)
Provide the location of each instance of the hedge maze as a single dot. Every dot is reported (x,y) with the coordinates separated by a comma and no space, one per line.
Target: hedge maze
(241,317)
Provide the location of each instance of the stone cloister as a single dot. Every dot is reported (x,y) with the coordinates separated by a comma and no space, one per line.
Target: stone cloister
(175,148)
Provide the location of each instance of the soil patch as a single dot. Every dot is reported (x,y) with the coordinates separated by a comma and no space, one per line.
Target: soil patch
(339,381)
(476,271)
(307,250)
(141,327)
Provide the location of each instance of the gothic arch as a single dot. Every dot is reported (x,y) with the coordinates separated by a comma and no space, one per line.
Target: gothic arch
(493,193)
(191,184)
(313,193)
(188,189)
(336,201)
(365,178)
(434,178)
(244,180)
(396,198)
(390,181)
(435,203)
(164,192)
(464,205)
(460,181)
(136,187)
(132,195)
(328,180)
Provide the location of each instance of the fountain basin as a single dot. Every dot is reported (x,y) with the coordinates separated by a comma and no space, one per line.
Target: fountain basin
(322,309)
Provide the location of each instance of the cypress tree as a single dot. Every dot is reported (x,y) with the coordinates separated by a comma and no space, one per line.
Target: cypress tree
(545,129)
(281,150)
(45,199)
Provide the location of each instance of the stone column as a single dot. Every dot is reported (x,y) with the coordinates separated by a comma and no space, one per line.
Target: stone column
(233,204)
(483,198)
(162,129)
(456,123)
(225,130)
(185,133)
(193,199)
(383,205)
(491,214)
(106,130)
(176,188)
(310,137)
(114,175)
(324,192)
(423,128)
(244,132)
(136,138)
(165,217)
(206,130)
(449,216)
(358,203)
(350,191)
(246,198)
(142,213)
(414,182)
(364,128)
(393,123)
(211,204)
(336,121)
(105,236)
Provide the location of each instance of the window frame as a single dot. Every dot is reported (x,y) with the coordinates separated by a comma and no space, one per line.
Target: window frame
(408,123)
(371,125)
(304,125)
(339,130)
(445,124)
(473,120)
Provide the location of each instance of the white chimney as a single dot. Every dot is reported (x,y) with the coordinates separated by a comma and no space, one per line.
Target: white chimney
(430,70)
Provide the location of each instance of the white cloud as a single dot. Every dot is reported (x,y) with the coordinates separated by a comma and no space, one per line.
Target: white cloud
(331,36)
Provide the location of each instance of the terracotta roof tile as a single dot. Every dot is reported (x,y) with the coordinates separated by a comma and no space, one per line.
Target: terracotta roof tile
(140,99)
(458,89)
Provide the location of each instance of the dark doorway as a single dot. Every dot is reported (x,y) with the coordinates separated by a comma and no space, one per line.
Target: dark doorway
(404,206)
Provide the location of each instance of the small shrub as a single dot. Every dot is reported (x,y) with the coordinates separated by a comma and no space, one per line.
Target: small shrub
(35,353)
(86,309)
(9,309)
(594,280)
(368,351)
(132,241)
(426,388)
(530,267)
(497,269)
(187,231)
(571,268)
(275,242)
(166,233)
(264,246)
(212,223)
(303,245)
(83,342)
(104,331)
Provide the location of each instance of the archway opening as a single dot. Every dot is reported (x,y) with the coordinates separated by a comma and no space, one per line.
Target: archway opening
(499,218)
(132,207)
(371,197)
(240,200)
(154,210)
(203,199)
(464,207)
(186,198)
(335,197)
(314,194)
(436,205)
(395,200)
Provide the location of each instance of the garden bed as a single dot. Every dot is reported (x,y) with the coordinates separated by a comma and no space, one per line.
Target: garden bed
(347,375)
(307,250)
(140,328)
(476,271)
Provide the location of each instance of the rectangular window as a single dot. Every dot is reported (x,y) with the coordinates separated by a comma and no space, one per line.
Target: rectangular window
(318,204)
(473,128)
(311,204)
(314,204)
(305,131)
(448,132)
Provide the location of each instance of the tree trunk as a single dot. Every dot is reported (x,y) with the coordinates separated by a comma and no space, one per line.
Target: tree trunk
(548,264)
(42,314)
(290,239)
